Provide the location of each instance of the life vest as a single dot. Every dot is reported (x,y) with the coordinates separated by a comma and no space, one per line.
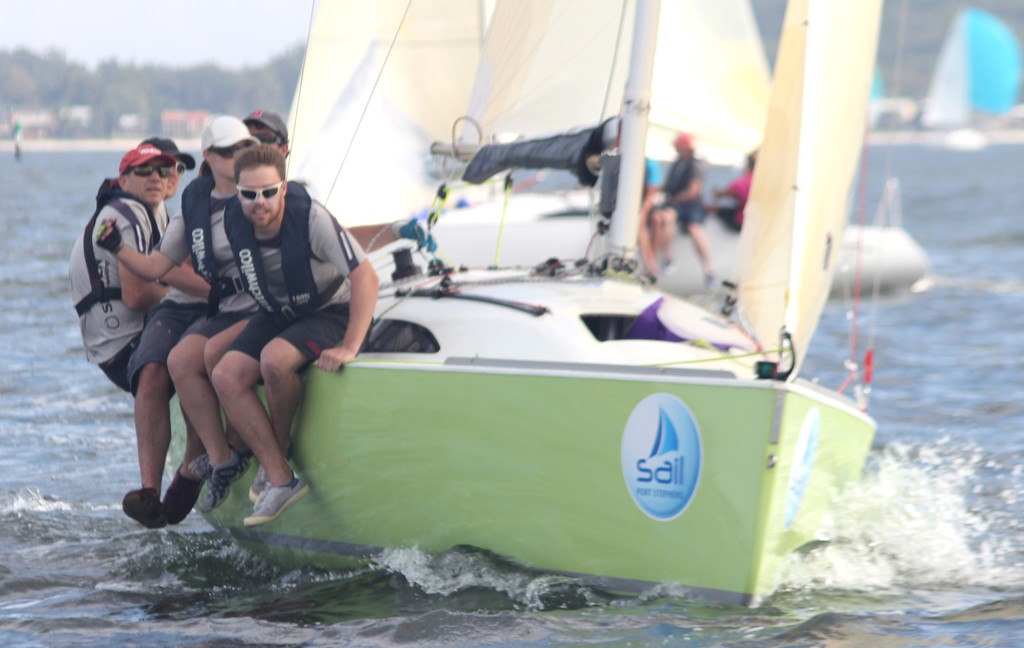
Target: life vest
(110,193)
(197,207)
(303,296)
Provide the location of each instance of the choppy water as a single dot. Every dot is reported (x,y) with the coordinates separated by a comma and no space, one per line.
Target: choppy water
(925,551)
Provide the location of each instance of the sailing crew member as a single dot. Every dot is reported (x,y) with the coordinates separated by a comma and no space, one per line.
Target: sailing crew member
(112,302)
(317,293)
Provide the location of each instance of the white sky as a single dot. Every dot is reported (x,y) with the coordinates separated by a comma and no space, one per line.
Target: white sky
(229,33)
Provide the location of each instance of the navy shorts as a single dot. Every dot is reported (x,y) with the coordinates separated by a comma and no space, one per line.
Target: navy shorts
(117,367)
(165,324)
(688,213)
(217,324)
(310,334)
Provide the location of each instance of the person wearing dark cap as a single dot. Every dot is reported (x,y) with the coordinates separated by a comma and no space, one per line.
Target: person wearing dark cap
(185,162)
(268,128)
(112,303)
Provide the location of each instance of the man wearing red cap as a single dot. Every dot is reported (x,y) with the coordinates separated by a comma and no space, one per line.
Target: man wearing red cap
(112,302)
(683,202)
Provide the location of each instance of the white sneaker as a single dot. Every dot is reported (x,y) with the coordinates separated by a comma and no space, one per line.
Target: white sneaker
(259,484)
(274,501)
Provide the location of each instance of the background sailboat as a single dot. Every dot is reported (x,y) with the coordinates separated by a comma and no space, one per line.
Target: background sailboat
(978,73)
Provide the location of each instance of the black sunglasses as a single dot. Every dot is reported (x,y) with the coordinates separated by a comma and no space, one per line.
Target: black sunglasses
(147,170)
(229,151)
(180,167)
(267,138)
(267,192)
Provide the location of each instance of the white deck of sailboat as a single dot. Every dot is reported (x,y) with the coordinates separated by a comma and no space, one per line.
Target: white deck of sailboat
(577,321)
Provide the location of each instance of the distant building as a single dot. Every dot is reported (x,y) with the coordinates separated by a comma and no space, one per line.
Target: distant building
(35,124)
(184,124)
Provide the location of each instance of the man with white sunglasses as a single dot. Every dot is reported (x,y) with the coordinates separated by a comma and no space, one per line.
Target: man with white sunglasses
(317,293)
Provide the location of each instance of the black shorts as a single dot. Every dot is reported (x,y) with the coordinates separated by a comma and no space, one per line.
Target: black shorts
(310,334)
(117,367)
(217,324)
(165,324)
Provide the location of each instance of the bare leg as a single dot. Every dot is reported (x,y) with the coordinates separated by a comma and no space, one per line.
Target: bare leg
(198,399)
(215,349)
(152,423)
(234,378)
(665,230)
(279,365)
(700,242)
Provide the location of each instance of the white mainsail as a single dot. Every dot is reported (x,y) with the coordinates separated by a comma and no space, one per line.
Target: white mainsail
(799,199)
(710,73)
(361,130)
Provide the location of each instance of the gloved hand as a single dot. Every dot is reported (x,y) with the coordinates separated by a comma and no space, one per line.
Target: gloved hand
(413,231)
(108,236)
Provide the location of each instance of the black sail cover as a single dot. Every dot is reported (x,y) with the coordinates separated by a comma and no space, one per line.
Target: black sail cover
(566,152)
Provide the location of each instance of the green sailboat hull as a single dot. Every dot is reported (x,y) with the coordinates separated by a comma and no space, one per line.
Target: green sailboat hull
(533,463)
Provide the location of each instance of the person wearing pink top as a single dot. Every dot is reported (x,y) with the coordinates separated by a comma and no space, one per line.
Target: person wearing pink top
(737,192)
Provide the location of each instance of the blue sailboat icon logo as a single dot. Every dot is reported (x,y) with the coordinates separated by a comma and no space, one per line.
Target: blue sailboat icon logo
(661,456)
(667,440)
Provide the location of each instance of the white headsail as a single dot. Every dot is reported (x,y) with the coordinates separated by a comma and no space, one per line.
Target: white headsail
(710,73)
(361,130)
(799,199)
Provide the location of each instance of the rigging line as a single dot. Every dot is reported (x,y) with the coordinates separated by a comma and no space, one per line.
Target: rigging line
(611,69)
(366,106)
(302,80)
(897,76)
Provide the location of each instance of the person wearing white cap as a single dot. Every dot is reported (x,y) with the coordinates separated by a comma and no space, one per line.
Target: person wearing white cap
(198,233)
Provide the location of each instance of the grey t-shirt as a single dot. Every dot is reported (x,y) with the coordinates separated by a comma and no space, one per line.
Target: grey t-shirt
(177,245)
(108,326)
(333,255)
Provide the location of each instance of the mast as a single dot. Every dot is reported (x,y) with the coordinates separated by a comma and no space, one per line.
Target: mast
(635,112)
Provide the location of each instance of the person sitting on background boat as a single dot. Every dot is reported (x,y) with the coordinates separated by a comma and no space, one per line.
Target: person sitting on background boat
(198,233)
(655,232)
(683,204)
(737,192)
(112,303)
(317,294)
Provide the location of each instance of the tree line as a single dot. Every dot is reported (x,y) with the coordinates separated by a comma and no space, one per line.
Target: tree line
(49,81)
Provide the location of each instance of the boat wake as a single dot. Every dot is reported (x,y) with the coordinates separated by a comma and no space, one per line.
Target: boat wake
(914,523)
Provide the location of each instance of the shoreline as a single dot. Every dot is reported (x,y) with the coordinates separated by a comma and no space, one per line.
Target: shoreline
(192,145)
(90,145)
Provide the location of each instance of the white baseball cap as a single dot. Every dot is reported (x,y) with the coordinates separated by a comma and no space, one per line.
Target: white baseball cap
(225,131)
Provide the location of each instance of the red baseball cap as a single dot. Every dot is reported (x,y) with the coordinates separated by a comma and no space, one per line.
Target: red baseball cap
(142,154)
(683,138)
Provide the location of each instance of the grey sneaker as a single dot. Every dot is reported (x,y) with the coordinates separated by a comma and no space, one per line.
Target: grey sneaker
(274,501)
(219,484)
(259,484)
(200,467)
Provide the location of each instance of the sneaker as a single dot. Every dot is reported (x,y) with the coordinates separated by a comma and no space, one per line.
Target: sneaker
(201,468)
(181,496)
(144,507)
(259,484)
(219,485)
(275,500)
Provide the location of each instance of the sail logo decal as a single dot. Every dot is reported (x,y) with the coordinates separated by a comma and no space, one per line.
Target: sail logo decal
(803,462)
(661,456)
